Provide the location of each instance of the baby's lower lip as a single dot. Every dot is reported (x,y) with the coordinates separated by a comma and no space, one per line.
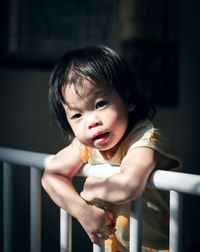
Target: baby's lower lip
(101,138)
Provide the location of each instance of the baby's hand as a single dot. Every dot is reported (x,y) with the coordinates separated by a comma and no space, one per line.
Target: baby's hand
(97,222)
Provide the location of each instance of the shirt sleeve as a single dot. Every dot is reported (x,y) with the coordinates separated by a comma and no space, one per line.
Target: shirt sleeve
(146,135)
(84,151)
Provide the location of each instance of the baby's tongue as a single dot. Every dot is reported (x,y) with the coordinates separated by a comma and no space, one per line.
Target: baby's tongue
(101,138)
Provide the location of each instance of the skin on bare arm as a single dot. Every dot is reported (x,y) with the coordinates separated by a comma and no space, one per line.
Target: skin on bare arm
(56,181)
(126,185)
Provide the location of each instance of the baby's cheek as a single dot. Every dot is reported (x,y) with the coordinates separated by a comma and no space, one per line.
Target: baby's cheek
(112,119)
(83,139)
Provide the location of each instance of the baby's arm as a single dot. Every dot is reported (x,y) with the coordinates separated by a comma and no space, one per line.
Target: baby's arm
(56,181)
(128,184)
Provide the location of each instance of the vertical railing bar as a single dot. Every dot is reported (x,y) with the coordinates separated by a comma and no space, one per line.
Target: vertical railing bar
(136,225)
(7,207)
(65,231)
(175,235)
(100,248)
(35,210)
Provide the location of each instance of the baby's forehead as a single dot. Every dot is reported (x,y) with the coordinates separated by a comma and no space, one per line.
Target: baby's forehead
(86,89)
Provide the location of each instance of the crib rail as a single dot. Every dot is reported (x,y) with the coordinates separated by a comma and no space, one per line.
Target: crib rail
(176,183)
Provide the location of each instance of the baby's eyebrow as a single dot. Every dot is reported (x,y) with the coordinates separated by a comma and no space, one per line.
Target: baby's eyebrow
(72,108)
(98,93)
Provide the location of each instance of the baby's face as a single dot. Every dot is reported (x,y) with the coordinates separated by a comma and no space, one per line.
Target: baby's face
(96,114)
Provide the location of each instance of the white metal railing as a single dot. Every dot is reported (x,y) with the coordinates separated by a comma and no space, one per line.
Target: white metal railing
(176,183)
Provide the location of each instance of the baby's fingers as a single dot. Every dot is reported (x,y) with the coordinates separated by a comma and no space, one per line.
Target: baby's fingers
(94,239)
(103,236)
(109,230)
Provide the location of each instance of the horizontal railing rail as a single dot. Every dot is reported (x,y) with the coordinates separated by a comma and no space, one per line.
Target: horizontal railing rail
(25,158)
(174,182)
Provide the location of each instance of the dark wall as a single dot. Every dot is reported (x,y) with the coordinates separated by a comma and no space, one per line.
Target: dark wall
(25,117)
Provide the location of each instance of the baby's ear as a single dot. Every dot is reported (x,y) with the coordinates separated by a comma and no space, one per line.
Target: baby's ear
(131,107)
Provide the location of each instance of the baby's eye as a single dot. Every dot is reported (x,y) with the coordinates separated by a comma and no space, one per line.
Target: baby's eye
(76,116)
(101,104)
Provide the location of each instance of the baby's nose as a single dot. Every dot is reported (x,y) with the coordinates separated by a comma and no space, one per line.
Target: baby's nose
(94,124)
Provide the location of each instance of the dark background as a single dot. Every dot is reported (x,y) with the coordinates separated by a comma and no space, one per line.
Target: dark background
(166,66)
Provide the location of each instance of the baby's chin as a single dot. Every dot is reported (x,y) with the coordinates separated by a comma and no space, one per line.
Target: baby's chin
(104,147)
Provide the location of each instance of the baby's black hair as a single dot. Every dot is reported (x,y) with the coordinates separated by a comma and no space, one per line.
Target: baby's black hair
(98,64)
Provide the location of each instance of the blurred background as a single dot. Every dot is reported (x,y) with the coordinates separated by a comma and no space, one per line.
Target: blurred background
(160,39)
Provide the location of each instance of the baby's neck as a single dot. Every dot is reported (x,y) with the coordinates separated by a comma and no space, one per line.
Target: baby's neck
(108,154)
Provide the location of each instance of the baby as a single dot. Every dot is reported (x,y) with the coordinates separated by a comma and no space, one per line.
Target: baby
(93,96)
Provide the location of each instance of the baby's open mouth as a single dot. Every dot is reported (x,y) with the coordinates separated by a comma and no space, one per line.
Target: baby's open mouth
(100,138)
